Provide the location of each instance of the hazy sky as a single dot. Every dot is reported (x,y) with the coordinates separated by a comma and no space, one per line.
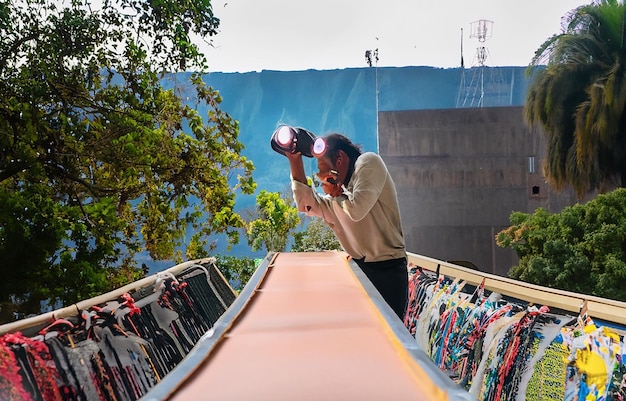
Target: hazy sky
(293,35)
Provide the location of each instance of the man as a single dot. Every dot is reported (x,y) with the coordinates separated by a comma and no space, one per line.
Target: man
(361,207)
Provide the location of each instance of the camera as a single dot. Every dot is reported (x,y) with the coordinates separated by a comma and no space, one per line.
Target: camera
(296,139)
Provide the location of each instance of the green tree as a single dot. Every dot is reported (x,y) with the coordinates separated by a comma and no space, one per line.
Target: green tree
(317,236)
(276,219)
(100,157)
(237,270)
(580,249)
(579,99)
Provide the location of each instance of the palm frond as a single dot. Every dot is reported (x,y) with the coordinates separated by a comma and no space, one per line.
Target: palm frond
(580,97)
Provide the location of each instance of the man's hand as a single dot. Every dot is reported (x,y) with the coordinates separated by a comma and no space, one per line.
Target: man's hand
(330,184)
(293,156)
(334,190)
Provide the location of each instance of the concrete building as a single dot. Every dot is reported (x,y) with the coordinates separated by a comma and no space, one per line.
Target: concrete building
(460,173)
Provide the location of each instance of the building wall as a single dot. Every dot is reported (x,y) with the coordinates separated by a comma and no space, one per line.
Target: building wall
(459,174)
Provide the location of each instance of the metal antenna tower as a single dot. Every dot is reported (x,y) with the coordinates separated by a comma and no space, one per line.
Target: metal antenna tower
(481,30)
(484,82)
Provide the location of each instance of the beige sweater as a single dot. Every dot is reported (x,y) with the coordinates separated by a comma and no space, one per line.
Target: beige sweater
(366,218)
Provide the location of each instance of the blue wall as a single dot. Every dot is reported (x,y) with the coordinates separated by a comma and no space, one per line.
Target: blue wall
(336,100)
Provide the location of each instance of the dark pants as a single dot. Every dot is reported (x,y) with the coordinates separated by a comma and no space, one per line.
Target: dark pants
(391,279)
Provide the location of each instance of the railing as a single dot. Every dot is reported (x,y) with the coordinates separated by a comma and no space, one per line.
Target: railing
(308,326)
(495,337)
(116,346)
(504,339)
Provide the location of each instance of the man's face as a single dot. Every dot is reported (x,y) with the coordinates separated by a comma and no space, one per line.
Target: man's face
(327,174)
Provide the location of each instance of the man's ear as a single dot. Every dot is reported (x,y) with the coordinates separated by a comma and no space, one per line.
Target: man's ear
(342,158)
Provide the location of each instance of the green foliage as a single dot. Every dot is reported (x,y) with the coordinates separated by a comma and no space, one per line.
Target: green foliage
(236,270)
(580,249)
(580,97)
(98,159)
(317,236)
(276,219)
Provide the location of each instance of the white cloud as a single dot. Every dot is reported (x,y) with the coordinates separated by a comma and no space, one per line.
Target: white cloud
(291,35)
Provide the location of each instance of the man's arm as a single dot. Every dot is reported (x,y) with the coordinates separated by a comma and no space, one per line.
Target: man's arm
(297,167)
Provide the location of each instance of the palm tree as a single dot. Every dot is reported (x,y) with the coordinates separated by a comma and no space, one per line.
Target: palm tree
(579,99)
